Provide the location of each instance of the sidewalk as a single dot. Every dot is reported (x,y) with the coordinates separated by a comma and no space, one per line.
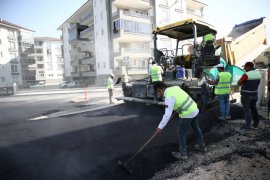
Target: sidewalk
(62,91)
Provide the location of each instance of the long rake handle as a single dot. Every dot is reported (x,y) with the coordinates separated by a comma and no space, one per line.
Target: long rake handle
(145,144)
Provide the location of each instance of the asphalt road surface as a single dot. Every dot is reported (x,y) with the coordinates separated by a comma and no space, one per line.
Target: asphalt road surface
(89,145)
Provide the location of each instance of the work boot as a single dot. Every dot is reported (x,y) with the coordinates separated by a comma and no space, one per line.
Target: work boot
(221,118)
(200,148)
(244,129)
(228,117)
(178,156)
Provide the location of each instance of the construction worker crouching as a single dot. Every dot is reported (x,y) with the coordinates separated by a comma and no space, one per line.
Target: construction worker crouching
(110,86)
(249,95)
(155,76)
(178,100)
(222,90)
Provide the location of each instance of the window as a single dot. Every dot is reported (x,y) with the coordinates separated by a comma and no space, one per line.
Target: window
(40,66)
(132,26)
(11,45)
(59,59)
(50,74)
(11,33)
(40,43)
(102,32)
(60,66)
(49,51)
(14,68)
(15,79)
(39,51)
(3,79)
(49,66)
(12,57)
(101,15)
(39,58)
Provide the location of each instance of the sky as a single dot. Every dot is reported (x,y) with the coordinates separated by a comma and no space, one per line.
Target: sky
(45,16)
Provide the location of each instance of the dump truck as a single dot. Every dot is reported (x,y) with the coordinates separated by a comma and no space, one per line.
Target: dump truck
(199,63)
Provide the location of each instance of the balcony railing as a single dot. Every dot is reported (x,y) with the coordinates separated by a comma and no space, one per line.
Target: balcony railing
(13,49)
(134,14)
(194,13)
(89,73)
(87,33)
(88,60)
(86,17)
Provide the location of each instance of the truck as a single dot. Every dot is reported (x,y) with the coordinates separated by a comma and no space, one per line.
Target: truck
(199,63)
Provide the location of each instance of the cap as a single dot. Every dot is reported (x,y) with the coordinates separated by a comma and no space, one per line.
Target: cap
(112,75)
(219,66)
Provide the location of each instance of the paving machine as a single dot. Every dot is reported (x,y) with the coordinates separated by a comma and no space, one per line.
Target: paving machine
(188,66)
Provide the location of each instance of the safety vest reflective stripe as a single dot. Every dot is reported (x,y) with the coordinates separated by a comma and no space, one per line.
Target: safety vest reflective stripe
(248,91)
(155,73)
(187,102)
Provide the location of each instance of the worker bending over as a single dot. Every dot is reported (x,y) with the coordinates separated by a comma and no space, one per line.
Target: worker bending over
(178,100)
(222,90)
(249,95)
(155,75)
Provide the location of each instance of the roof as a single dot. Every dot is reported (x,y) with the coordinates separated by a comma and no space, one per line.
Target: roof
(74,14)
(47,39)
(183,30)
(6,23)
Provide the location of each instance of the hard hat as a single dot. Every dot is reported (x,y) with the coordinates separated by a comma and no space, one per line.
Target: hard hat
(219,66)
(112,75)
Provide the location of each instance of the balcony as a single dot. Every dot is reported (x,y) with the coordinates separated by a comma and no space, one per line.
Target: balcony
(75,74)
(24,50)
(89,73)
(38,46)
(32,67)
(132,52)
(15,73)
(87,18)
(87,33)
(195,5)
(194,14)
(75,62)
(123,35)
(74,33)
(28,61)
(136,4)
(11,37)
(88,60)
(13,49)
(14,61)
(124,14)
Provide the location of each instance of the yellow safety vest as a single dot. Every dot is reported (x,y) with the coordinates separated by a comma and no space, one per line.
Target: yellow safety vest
(155,73)
(184,104)
(223,86)
(110,83)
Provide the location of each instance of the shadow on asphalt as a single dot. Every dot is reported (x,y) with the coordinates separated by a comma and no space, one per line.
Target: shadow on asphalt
(93,153)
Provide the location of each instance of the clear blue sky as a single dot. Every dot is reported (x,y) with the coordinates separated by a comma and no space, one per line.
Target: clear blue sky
(45,16)
(42,16)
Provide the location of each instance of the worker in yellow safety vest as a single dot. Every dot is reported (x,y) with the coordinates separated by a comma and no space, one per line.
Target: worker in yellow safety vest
(155,75)
(110,87)
(178,100)
(222,90)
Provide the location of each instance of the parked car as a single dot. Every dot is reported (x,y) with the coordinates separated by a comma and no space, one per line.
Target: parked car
(64,84)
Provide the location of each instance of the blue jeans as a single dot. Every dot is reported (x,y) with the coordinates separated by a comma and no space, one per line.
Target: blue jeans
(182,130)
(250,110)
(224,104)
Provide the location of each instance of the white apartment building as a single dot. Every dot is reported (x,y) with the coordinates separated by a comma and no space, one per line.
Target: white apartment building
(48,60)
(10,65)
(86,44)
(115,36)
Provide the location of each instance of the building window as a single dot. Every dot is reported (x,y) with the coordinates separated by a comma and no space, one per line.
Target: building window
(14,68)
(15,79)
(50,74)
(40,43)
(12,57)
(102,32)
(60,66)
(49,51)
(49,66)
(12,45)
(40,66)
(3,79)
(11,33)
(39,51)
(39,58)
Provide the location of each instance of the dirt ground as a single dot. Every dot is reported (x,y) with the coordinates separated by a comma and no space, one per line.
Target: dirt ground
(231,154)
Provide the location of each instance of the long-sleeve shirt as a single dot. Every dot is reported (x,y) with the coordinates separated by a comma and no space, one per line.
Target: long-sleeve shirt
(169,102)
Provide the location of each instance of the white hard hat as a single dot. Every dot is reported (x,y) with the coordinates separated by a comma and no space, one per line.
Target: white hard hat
(112,75)
(219,66)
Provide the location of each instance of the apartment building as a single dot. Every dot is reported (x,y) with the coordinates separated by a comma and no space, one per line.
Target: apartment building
(170,11)
(13,46)
(86,43)
(104,37)
(48,60)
